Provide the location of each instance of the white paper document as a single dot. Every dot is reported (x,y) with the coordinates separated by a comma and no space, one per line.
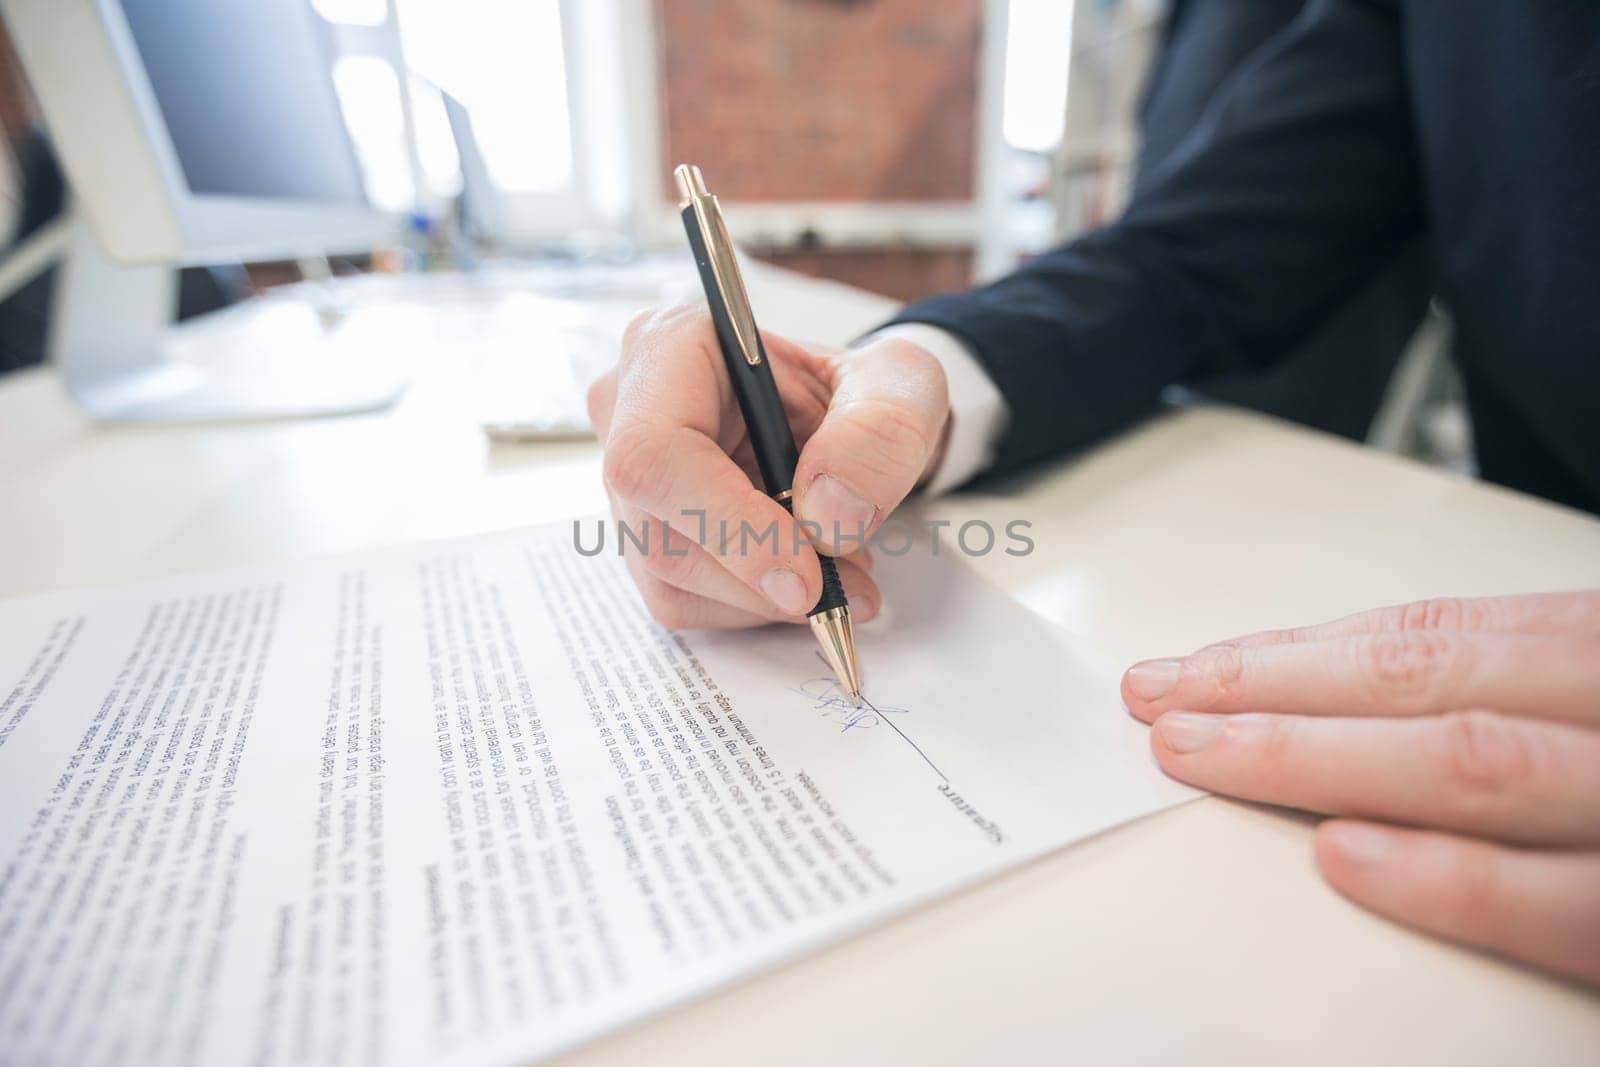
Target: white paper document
(464,802)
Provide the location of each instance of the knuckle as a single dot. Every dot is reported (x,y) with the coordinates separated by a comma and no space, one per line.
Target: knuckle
(1218,674)
(654,324)
(1483,760)
(1406,664)
(887,437)
(667,560)
(642,324)
(1443,613)
(633,462)
(918,368)
(685,320)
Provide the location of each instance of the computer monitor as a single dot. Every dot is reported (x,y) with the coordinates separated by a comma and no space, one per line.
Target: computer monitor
(565,221)
(481,204)
(193,131)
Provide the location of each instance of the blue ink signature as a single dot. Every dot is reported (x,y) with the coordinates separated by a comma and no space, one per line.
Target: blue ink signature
(827,698)
(834,706)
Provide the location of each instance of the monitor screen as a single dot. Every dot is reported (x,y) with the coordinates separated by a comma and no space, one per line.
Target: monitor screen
(246,92)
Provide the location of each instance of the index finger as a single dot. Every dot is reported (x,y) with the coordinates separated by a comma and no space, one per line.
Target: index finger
(664,457)
(1386,675)
(1575,614)
(671,372)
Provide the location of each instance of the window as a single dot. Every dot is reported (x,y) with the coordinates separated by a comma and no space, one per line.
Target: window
(1038,45)
(369,97)
(504,60)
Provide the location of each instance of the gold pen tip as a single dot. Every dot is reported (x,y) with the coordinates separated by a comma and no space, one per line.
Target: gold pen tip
(837,639)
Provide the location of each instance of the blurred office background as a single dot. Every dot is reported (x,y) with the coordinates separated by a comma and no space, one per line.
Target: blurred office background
(896,145)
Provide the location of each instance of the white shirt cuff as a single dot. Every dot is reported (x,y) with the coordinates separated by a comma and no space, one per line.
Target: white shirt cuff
(978,413)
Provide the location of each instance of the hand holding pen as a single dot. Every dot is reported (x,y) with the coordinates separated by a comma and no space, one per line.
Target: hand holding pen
(867,424)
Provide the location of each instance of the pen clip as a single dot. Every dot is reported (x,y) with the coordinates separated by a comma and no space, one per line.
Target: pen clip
(719,250)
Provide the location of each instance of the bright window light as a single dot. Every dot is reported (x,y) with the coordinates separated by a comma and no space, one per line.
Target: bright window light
(503,59)
(353,12)
(1038,47)
(369,97)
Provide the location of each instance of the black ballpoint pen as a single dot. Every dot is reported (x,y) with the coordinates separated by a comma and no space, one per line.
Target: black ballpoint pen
(764,418)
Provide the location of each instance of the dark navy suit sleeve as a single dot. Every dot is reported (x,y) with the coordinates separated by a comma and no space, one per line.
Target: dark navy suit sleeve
(1300,182)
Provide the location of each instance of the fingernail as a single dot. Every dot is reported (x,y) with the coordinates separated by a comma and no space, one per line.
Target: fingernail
(1185,732)
(1361,844)
(1154,678)
(828,501)
(785,589)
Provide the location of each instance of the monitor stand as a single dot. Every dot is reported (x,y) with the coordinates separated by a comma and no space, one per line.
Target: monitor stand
(123,356)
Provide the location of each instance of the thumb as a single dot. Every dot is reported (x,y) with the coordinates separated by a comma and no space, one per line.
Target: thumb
(881,434)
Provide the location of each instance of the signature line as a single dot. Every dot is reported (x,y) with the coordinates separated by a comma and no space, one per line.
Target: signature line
(885,719)
(890,723)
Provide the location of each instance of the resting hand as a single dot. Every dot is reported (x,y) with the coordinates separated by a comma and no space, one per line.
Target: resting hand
(869,424)
(1458,741)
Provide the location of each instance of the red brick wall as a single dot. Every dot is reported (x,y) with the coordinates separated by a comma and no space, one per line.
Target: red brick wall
(902,273)
(823,99)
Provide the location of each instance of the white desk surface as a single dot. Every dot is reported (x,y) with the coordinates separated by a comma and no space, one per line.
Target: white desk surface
(1203,935)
